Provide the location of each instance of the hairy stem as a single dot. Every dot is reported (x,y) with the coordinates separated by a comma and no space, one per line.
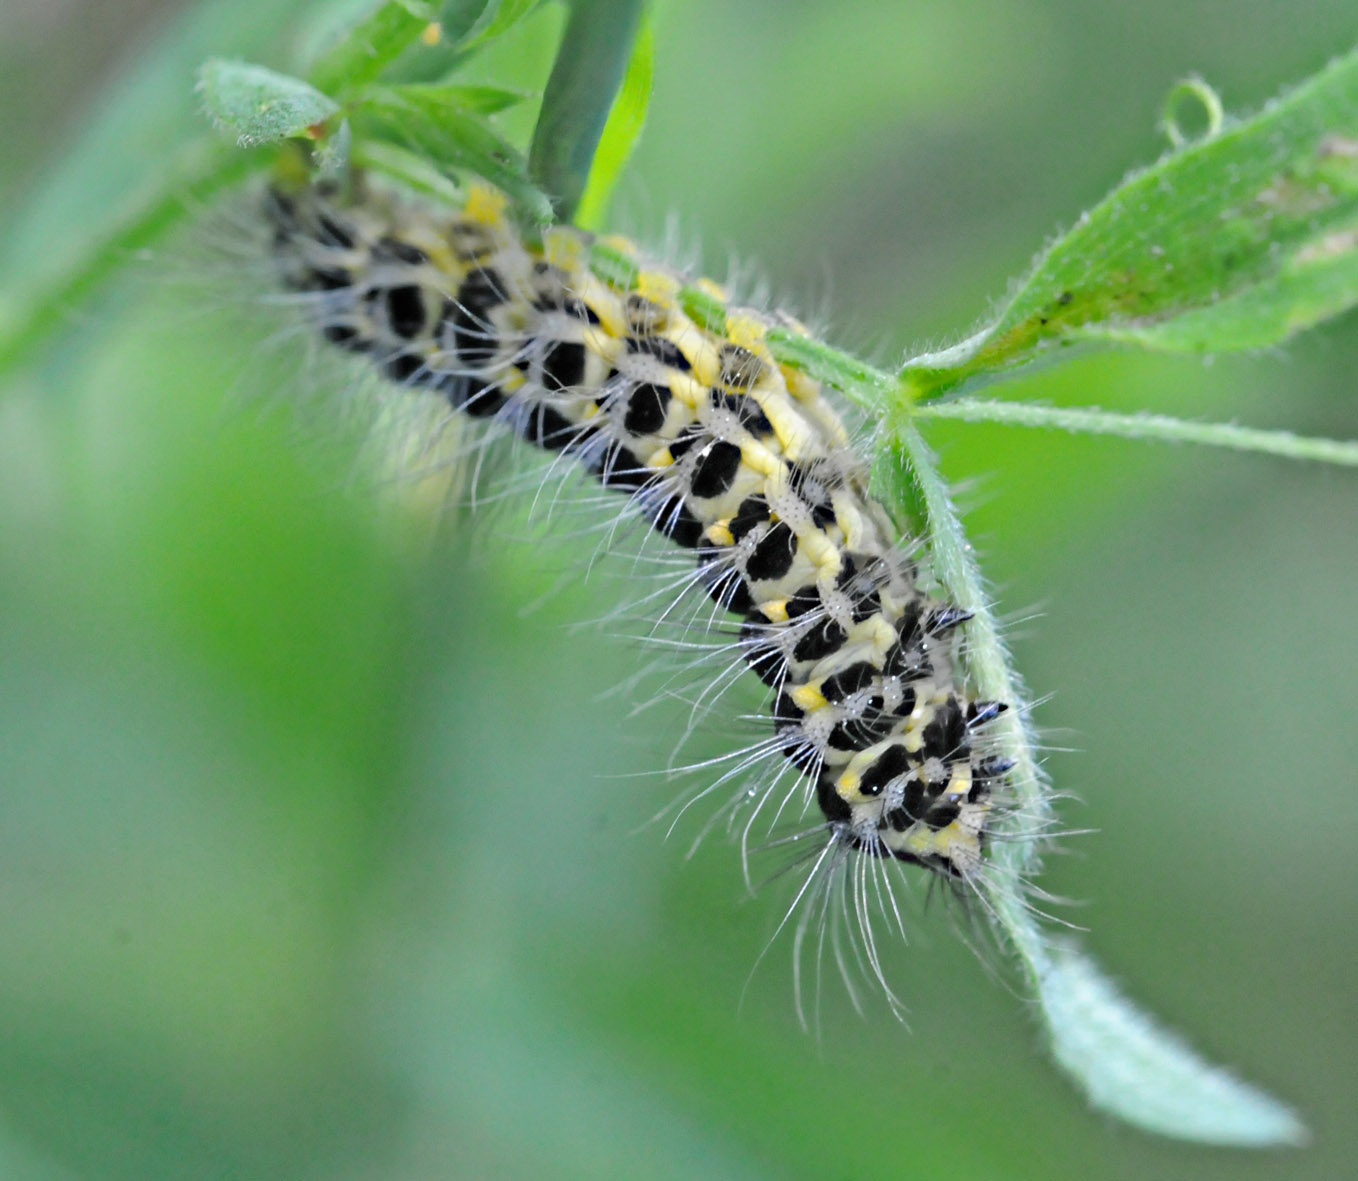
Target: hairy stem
(1092,421)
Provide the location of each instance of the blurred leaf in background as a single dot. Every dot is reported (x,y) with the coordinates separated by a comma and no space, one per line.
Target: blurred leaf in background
(319,839)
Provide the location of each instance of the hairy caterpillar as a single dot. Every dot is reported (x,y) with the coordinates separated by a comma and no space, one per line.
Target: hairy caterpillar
(586,349)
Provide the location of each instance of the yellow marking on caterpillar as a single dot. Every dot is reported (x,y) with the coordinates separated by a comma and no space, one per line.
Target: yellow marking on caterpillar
(601,300)
(849,518)
(800,385)
(831,562)
(774,610)
(706,362)
(815,543)
(852,774)
(689,338)
(793,433)
(808,698)
(535,330)
(485,205)
(688,390)
(601,343)
(754,455)
(715,290)
(953,842)
(515,384)
(659,288)
(621,244)
(564,248)
(747,332)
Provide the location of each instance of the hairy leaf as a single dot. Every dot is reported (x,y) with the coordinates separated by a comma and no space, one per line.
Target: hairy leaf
(259,105)
(454,138)
(1123,1061)
(1234,242)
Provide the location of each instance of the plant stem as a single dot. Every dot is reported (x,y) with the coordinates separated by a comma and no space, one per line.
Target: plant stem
(987,664)
(203,169)
(589,68)
(1163,427)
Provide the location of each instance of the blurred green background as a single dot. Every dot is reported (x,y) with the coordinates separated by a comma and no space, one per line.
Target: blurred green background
(318,848)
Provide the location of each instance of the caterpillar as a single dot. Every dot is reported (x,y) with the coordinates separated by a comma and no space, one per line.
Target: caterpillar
(584,348)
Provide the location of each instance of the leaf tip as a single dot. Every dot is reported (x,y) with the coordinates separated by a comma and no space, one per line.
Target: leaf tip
(1129,1067)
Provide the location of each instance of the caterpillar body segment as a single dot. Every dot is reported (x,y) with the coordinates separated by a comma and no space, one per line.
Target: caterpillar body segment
(718,447)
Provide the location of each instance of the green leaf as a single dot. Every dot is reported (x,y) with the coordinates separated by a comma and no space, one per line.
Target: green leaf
(595,52)
(180,189)
(97,211)
(1124,1062)
(466,23)
(259,105)
(479,100)
(1234,242)
(409,168)
(455,139)
(372,45)
(621,132)
(1128,1066)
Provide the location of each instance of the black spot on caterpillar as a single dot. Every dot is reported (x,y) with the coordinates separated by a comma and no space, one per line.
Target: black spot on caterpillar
(720,449)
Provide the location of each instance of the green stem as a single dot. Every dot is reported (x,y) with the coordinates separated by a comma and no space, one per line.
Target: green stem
(989,672)
(203,169)
(371,45)
(1124,1062)
(855,379)
(589,68)
(1092,421)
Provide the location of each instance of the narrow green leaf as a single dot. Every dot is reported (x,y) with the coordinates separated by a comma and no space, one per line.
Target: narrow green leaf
(259,105)
(454,139)
(96,210)
(478,100)
(1128,1066)
(409,168)
(1125,1063)
(179,190)
(466,23)
(1233,242)
(461,19)
(621,132)
(372,45)
(594,55)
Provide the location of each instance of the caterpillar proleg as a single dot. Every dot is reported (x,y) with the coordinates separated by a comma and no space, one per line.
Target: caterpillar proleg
(585,348)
